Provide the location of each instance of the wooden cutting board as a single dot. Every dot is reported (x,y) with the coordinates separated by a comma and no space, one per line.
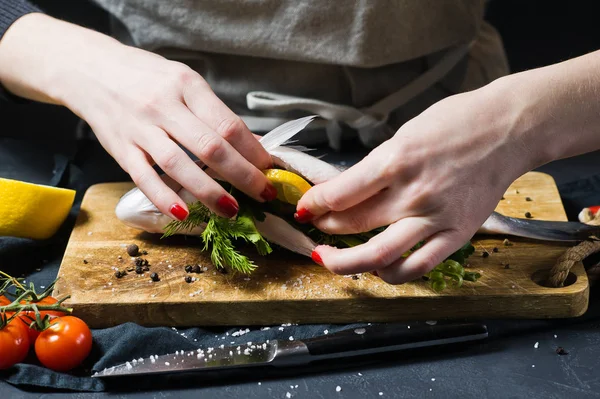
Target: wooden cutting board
(287,288)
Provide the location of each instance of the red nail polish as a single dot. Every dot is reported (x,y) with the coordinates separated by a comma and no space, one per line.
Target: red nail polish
(179,212)
(269,193)
(228,206)
(303,216)
(316,258)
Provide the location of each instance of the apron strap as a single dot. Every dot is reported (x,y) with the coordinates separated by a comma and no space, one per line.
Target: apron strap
(367,121)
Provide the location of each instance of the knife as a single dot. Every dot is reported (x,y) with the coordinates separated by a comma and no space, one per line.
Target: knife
(281,353)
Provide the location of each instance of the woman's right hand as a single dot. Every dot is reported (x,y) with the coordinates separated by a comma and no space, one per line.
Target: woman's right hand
(141,107)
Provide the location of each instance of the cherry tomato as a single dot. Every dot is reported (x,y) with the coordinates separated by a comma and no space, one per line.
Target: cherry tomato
(65,344)
(14,344)
(27,316)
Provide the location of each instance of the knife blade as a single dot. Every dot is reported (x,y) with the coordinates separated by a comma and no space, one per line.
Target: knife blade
(280,353)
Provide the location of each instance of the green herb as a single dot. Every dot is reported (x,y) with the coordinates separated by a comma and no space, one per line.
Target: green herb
(198,214)
(219,233)
(452,270)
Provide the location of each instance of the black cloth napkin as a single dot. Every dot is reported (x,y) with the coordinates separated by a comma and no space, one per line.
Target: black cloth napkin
(80,164)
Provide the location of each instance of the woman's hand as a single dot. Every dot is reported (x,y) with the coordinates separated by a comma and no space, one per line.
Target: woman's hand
(141,107)
(437,179)
(443,172)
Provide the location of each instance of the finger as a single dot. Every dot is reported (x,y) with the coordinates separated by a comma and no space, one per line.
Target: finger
(207,107)
(217,153)
(149,182)
(379,252)
(423,260)
(349,188)
(178,165)
(377,211)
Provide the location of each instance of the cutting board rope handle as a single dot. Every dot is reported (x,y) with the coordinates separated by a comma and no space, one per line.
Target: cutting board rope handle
(558,274)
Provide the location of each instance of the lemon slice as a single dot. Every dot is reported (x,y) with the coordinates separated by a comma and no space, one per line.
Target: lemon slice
(290,187)
(32,210)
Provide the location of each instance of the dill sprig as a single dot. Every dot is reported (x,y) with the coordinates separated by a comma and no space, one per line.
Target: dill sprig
(198,214)
(216,235)
(219,233)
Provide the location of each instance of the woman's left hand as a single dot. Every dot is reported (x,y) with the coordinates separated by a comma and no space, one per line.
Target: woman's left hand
(437,179)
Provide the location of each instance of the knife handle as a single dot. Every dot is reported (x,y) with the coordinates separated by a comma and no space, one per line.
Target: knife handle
(387,337)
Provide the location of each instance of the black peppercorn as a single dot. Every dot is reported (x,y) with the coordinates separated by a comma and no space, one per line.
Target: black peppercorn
(85,262)
(188,268)
(528,215)
(139,261)
(144,252)
(196,269)
(154,277)
(355,277)
(485,254)
(118,274)
(561,351)
(188,279)
(528,199)
(495,249)
(132,250)
(139,270)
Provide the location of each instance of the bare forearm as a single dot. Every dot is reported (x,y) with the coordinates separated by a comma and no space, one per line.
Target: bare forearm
(554,111)
(42,57)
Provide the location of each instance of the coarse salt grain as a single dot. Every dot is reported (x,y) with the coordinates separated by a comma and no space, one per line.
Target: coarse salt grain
(338,388)
(288,395)
(380,393)
(433,379)
(291,338)
(536,345)
(167,364)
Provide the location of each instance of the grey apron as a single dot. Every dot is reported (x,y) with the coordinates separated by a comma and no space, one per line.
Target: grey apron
(365,66)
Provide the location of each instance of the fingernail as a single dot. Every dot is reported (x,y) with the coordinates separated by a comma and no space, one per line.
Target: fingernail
(228,206)
(316,258)
(269,193)
(303,216)
(179,212)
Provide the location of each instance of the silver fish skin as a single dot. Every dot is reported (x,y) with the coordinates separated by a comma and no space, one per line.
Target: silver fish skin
(544,230)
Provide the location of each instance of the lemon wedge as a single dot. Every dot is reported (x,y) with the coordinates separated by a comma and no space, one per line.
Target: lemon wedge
(31,210)
(290,187)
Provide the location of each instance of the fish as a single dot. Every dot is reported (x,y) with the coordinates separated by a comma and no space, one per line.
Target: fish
(135,210)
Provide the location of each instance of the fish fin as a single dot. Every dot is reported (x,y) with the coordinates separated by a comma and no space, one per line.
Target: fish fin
(285,132)
(300,148)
